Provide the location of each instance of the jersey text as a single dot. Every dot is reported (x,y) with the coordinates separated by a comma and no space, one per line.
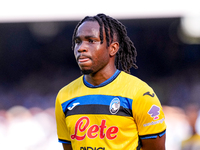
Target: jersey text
(82,126)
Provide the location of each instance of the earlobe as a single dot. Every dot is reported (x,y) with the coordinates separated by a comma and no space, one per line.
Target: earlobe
(114,47)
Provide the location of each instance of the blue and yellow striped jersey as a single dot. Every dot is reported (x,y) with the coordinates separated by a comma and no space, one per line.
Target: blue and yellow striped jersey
(114,115)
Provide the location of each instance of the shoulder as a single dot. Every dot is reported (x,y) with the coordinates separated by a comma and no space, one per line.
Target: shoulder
(73,84)
(133,81)
(69,88)
(131,86)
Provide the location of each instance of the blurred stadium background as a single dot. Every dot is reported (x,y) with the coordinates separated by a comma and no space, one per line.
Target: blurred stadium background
(36,60)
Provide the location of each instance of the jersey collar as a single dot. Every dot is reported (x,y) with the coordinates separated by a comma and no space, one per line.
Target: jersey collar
(113,77)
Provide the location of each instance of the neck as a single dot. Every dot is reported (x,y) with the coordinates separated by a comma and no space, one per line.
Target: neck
(100,76)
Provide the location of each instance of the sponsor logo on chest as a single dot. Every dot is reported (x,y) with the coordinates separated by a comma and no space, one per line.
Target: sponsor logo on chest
(92,148)
(83,129)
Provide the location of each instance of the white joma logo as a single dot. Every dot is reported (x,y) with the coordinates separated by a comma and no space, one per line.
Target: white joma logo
(74,105)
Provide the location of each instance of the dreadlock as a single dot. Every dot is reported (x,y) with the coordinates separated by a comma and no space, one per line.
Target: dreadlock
(126,55)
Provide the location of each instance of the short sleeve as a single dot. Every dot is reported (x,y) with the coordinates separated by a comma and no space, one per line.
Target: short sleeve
(148,113)
(60,122)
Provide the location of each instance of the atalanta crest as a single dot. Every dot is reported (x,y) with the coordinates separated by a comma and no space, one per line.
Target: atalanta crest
(114,106)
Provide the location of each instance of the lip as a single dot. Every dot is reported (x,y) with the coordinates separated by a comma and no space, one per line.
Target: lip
(82,59)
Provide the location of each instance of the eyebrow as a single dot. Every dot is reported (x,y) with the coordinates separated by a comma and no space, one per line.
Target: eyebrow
(86,37)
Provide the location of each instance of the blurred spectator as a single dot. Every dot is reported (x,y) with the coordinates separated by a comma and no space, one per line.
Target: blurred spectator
(28,129)
(177,127)
(193,142)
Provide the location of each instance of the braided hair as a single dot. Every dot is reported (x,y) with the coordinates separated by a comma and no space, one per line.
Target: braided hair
(126,55)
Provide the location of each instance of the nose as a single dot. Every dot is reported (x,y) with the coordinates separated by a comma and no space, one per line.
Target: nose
(82,47)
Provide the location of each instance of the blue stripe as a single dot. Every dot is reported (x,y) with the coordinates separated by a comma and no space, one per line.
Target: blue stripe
(97,100)
(160,135)
(154,136)
(64,141)
(104,83)
(149,137)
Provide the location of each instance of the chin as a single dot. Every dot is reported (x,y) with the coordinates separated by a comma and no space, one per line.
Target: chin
(87,71)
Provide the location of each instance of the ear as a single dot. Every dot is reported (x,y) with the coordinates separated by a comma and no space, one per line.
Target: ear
(114,47)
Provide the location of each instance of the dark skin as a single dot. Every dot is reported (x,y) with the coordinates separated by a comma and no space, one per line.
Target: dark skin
(94,56)
(99,61)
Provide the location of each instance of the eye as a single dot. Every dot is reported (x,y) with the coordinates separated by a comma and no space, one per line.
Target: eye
(91,41)
(77,41)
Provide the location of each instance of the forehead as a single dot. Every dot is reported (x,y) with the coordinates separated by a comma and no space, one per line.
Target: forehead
(88,28)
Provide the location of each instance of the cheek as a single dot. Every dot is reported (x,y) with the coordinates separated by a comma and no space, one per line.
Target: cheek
(75,52)
(98,47)
(101,49)
(102,56)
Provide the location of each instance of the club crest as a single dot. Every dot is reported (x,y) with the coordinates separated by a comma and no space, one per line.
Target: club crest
(114,106)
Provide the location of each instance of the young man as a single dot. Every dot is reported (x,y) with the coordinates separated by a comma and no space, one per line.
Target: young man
(107,109)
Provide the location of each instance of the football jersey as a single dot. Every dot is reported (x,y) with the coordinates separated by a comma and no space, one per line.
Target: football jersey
(114,115)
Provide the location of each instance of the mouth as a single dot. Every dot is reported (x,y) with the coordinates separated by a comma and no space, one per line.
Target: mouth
(82,59)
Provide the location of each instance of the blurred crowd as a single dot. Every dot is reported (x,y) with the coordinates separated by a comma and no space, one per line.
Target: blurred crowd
(28,129)
(183,127)
(35,128)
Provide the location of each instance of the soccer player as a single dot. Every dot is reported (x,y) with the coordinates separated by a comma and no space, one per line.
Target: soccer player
(106,108)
